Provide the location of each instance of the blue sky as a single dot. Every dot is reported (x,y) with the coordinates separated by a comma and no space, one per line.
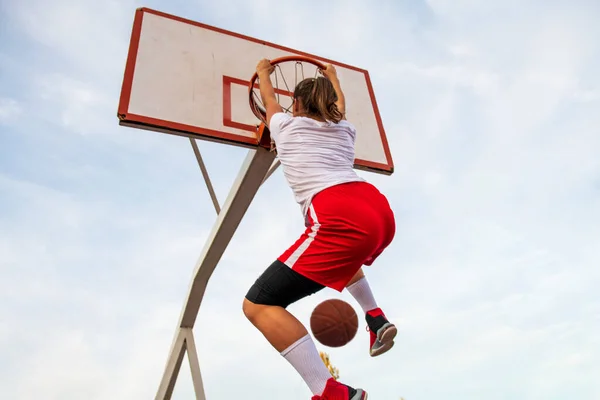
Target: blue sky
(491,113)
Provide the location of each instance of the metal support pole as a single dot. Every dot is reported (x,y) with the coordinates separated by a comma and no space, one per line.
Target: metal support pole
(272,170)
(190,345)
(204,171)
(253,172)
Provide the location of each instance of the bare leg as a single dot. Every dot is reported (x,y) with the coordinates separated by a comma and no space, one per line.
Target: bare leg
(277,325)
(291,339)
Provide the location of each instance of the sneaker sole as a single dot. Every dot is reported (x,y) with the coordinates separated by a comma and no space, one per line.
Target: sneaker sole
(386,338)
(381,350)
(388,334)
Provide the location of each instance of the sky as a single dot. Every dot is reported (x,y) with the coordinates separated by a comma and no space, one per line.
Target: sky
(490,109)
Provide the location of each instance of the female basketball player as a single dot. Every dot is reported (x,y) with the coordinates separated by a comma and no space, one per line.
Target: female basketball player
(349,223)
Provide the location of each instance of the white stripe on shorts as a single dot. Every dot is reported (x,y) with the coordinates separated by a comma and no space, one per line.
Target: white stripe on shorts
(311,236)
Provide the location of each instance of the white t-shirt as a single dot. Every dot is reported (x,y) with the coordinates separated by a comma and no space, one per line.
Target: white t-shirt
(314,155)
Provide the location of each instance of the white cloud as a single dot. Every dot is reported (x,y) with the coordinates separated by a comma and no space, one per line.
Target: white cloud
(9,109)
(80,107)
(585,96)
(87,36)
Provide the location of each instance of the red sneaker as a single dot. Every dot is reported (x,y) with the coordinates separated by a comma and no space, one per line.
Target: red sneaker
(382,332)
(338,391)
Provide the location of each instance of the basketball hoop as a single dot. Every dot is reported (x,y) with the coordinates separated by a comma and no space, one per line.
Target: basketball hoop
(284,66)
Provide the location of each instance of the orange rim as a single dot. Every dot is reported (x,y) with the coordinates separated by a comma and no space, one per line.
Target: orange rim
(261,114)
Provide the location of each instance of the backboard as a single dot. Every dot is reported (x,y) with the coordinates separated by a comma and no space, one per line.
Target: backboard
(187,78)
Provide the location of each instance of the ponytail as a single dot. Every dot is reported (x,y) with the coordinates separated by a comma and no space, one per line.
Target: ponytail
(318,98)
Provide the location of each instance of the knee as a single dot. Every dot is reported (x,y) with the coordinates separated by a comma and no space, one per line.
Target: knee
(250,309)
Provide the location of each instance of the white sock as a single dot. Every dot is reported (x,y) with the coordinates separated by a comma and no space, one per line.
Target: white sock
(361,291)
(303,356)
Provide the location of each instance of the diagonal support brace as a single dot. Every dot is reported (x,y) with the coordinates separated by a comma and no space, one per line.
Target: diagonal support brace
(254,171)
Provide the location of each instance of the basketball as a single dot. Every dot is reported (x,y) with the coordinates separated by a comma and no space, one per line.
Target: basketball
(334,323)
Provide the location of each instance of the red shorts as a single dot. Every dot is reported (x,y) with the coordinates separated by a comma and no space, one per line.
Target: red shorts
(348,226)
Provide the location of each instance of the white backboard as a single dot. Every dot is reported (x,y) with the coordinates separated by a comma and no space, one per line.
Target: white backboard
(187,78)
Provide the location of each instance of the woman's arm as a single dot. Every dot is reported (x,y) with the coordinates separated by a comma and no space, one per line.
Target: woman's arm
(267,93)
(330,73)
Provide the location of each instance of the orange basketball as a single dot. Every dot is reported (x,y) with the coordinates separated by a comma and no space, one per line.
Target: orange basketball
(334,323)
